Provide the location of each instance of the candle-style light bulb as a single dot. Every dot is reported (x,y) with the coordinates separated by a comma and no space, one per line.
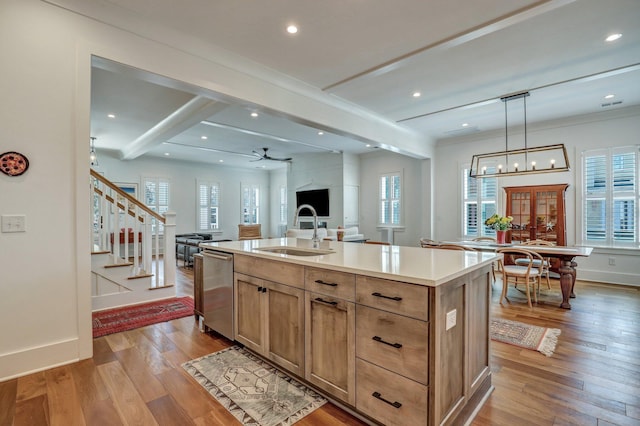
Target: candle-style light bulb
(484,170)
(553,163)
(499,168)
(533,165)
(515,165)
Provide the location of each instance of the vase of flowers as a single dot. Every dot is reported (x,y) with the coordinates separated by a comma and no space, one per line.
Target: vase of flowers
(501,224)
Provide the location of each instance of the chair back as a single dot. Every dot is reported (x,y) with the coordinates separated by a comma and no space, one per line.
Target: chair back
(523,253)
(426,242)
(249,232)
(491,239)
(455,247)
(537,243)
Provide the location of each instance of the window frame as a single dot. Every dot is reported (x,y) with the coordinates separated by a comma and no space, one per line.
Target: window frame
(209,205)
(252,207)
(399,200)
(608,195)
(479,201)
(158,208)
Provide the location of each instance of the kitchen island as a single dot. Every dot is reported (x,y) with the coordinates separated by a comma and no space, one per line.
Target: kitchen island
(397,334)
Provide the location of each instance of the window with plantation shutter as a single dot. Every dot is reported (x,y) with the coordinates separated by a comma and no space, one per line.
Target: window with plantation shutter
(250,199)
(283,205)
(156,198)
(390,199)
(611,196)
(479,202)
(208,206)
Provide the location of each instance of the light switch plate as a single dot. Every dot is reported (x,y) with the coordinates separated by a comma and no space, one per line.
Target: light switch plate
(14,223)
(451,319)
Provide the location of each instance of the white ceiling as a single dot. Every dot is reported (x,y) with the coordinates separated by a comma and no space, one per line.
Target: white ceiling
(461,55)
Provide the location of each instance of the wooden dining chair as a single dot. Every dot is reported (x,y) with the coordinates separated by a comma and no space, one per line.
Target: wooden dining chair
(495,266)
(426,242)
(249,232)
(546,262)
(528,274)
(455,247)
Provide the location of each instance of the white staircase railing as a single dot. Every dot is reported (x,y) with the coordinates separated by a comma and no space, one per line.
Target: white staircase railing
(121,221)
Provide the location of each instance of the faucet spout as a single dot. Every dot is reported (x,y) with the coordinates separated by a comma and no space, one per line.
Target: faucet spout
(315,240)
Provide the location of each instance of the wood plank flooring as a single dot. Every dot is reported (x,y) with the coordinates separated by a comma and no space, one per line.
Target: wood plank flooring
(135,377)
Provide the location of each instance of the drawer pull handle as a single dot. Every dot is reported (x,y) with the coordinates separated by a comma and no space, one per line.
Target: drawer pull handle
(262,289)
(325,283)
(326,302)
(379,339)
(259,289)
(396,298)
(395,404)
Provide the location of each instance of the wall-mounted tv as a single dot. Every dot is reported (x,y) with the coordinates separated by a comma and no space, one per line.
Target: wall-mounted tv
(318,198)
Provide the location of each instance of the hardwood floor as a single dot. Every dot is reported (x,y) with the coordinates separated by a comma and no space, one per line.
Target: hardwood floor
(135,377)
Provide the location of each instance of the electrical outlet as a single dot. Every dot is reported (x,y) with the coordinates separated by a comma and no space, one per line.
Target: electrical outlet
(612,261)
(451,319)
(14,223)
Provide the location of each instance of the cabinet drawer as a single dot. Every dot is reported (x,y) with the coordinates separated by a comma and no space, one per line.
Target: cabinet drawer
(389,398)
(406,299)
(394,342)
(332,283)
(273,270)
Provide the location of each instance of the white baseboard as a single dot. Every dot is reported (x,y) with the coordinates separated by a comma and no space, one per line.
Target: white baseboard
(32,360)
(608,277)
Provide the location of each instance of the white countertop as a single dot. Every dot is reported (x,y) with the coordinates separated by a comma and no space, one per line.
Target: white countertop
(417,265)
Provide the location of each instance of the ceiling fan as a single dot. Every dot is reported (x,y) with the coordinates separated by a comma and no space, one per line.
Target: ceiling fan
(265,156)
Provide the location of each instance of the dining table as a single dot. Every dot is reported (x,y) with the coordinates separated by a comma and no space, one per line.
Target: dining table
(566,255)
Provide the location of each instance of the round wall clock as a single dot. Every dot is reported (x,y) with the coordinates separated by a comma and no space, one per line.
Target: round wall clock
(13,163)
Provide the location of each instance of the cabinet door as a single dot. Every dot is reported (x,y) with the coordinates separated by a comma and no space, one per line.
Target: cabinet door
(285,326)
(249,312)
(538,212)
(330,345)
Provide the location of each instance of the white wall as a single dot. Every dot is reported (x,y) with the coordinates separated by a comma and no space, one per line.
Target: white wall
(607,129)
(372,165)
(277,179)
(182,177)
(45,80)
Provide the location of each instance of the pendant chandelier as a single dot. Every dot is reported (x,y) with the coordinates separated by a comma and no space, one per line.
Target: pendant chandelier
(541,159)
(93,157)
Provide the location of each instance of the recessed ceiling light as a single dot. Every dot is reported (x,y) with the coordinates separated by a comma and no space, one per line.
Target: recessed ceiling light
(416,94)
(254,114)
(264,167)
(320,133)
(610,96)
(167,154)
(292,29)
(220,161)
(613,37)
(204,138)
(465,124)
(111,115)
(368,145)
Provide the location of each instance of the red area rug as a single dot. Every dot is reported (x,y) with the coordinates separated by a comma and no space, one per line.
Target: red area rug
(129,317)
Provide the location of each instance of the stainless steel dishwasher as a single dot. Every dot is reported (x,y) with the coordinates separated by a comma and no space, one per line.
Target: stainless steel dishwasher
(217,294)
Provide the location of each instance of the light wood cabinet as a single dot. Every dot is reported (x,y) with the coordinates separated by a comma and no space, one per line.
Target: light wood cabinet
(270,320)
(329,341)
(538,212)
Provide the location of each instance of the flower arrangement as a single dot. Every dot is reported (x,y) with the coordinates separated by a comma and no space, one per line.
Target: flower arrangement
(500,223)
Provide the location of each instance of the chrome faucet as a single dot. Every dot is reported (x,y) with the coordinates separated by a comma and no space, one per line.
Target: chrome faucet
(315,240)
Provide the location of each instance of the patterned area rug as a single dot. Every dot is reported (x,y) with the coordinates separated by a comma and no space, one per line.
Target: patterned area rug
(252,390)
(526,336)
(129,317)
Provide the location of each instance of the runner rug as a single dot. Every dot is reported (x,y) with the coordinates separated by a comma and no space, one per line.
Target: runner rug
(252,390)
(527,336)
(129,317)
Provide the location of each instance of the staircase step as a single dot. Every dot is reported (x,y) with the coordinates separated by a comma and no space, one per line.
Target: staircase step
(101,252)
(135,277)
(116,265)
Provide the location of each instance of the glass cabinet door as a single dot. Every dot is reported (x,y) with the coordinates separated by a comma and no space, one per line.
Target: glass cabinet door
(521,213)
(538,213)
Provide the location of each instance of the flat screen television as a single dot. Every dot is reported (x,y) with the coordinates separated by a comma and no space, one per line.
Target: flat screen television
(318,198)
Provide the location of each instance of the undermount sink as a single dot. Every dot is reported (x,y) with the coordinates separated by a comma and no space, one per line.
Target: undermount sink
(295,251)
